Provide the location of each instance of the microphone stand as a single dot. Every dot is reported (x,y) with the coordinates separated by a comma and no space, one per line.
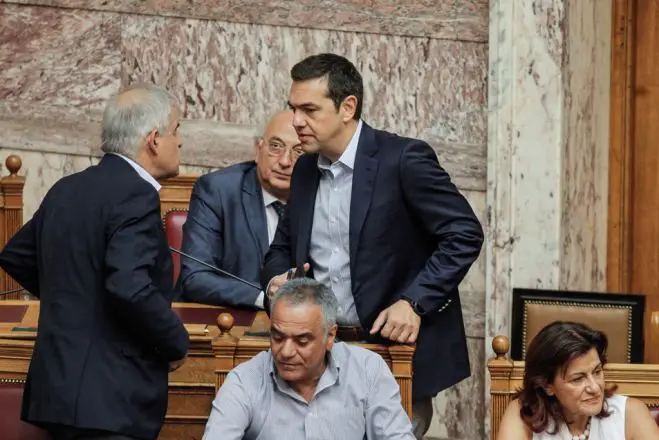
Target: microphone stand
(214,268)
(203,263)
(9,292)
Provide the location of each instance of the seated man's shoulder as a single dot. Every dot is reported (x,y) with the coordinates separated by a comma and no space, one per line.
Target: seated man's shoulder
(358,357)
(255,367)
(250,377)
(230,172)
(226,180)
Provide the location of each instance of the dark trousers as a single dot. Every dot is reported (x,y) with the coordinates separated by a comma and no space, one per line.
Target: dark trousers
(70,433)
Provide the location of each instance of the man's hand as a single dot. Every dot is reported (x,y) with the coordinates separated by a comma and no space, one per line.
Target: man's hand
(398,322)
(276,282)
(173,366)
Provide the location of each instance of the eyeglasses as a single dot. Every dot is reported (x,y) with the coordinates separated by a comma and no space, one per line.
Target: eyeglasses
(276,149)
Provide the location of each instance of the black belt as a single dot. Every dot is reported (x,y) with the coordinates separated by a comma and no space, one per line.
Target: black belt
(352,334)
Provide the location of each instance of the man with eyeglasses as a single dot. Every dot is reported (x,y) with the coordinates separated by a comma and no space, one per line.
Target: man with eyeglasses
(233,217)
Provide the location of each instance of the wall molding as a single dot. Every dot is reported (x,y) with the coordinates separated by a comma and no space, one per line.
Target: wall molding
(209,144)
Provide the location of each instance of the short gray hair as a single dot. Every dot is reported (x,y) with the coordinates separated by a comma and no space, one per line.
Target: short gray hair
(309,291)
(127,121)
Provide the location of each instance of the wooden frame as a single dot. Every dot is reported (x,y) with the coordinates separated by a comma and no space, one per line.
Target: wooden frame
(175,193)
(619,232)
(11,216)
(636,304)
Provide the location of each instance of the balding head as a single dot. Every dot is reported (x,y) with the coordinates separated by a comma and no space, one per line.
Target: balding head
(277,150)
(137,122)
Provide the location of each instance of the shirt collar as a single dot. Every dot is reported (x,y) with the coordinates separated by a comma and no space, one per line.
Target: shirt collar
(268,199)
(141,171)
(333,358)
(348,156)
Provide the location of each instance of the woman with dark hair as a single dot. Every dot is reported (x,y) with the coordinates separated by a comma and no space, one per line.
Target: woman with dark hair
(564,395)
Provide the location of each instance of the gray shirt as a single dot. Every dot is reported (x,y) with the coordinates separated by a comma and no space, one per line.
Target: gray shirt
(357,398)
(329,248)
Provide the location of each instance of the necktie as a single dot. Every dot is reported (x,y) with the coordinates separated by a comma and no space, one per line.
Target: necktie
(278,207)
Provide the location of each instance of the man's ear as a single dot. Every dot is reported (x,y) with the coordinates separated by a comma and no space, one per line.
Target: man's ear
(151,141)
(331,336)
(349,107)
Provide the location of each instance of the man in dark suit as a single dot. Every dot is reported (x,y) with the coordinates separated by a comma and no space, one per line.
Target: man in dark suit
(376,218)
(96,256)
(233,217)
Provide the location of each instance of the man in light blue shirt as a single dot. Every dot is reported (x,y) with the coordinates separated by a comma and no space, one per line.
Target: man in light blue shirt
(307,386)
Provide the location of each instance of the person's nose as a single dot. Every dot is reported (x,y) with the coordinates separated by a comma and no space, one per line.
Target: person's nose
(298,119)
(591,385)
(287,350)
(285,160)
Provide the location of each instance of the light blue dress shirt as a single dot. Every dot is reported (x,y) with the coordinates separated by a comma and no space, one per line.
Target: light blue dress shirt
(356,398)
(329,248)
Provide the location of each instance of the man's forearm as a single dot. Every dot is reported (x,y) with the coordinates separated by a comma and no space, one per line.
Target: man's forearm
(214,289)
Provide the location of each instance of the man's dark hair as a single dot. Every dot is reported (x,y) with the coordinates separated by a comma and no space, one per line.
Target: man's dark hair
(343,78)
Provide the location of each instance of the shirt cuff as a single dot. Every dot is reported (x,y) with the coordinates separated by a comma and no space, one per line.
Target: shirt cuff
(259,301)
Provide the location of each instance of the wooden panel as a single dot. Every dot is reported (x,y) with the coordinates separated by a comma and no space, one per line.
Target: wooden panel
(633,233)
(175,193)
(619,230)
(645,162)
(11,218)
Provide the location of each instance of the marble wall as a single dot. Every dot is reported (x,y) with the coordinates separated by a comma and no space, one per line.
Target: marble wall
(547,189)
(424,66)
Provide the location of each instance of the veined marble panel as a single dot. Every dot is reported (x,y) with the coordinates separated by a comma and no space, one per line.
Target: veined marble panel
(460,410)
(524,152)
(205,143)
(547,150)
(474,281)
(42,170)
(446,19)
(584,184)
(212,144)
(436,91)
(239,73)
(472,18)
(59,57)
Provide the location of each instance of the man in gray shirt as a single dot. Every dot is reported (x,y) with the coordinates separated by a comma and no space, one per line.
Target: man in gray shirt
(307,386)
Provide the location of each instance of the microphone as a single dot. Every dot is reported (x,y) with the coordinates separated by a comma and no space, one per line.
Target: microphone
(216,269)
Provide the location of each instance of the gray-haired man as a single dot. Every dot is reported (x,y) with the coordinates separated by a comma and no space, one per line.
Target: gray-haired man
(307,386)
(96,256)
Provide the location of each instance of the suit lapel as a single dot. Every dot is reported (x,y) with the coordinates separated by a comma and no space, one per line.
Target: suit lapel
(306,200)
(363,181)
(252,200)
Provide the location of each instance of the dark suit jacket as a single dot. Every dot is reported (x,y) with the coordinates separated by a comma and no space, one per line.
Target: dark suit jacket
(96,256)
(227,228)
(412,234)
